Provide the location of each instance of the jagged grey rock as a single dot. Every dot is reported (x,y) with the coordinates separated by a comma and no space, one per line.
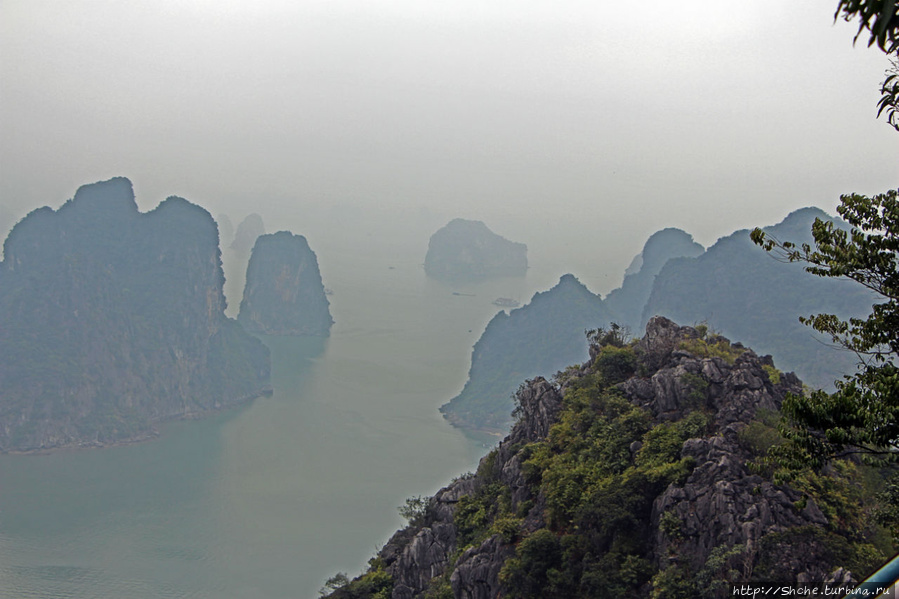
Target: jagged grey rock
(721,503)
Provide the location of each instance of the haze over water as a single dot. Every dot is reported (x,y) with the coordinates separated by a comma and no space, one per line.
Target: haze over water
(269,499)
(573,127)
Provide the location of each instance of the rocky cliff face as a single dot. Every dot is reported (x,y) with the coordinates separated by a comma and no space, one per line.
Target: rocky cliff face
(249,229)
(112,320)
(538,339)
(284,294)
(626,303)
(738,289)
(629,476)
(467,249)
(226,230)
(733,287)
(546,335)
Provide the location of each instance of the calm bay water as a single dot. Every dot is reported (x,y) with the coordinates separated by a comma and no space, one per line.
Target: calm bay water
(269,499)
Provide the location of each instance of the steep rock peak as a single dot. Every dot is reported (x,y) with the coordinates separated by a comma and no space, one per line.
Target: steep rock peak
(175,211)
(464,224)
(797,225)
(626,303)
(665,244)
(568,286)
(249,229)
(284,293)
(115,195)
(538,408)
(661,338)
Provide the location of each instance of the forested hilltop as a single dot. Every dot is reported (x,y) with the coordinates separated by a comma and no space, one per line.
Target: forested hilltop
(112,320)
(641,473)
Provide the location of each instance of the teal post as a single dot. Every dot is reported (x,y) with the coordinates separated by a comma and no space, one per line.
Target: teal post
(883,579)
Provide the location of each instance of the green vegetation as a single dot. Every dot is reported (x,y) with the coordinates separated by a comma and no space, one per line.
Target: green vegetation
(863,415)
(861,418)
(714,347)
(338,581)
(761,434)
(845,492)
(475,514)
(486,512)
(600,470)
(414,510)
(604,464)
(881,19)
(440,588)
(773,373)
(827,546)
(615,364)
(374,584)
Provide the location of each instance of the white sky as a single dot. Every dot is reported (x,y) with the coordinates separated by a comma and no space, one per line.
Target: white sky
(599,118)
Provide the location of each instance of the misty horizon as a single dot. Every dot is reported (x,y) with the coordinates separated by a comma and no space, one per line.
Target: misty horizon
(580,121)
(577,128)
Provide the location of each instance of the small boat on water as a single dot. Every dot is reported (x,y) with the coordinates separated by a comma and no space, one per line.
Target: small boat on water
(505,302)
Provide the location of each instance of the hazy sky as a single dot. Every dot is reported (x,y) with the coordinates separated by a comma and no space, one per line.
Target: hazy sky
(617,118)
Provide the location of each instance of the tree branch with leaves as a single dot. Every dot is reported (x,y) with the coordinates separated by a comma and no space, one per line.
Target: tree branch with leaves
(862,416)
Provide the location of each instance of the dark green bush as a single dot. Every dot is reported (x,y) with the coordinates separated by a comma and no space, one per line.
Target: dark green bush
(616,364)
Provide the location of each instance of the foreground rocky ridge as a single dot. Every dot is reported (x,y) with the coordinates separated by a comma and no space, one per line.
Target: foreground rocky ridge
(112,320)
(569,505)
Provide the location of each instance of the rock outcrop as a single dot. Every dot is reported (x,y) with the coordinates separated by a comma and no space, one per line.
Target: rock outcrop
(112,320)
(284,294)
(500,532)
(467,249)
(248,230)
(733,287)
(741,291)
(537,339)
(226,229)
(626,303)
